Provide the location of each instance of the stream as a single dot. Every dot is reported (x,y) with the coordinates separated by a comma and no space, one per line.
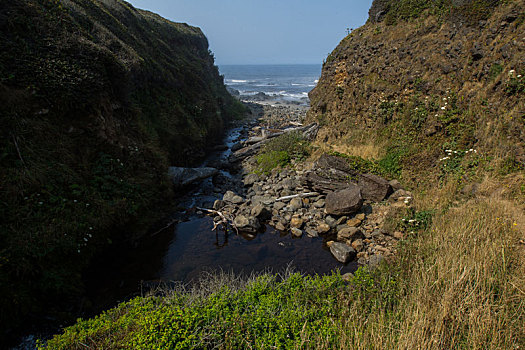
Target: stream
(183,251)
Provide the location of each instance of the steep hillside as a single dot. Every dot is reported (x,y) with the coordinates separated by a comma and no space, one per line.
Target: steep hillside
(422,77)
(97,98)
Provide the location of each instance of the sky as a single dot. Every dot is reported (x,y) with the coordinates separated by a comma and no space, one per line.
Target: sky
(269,31)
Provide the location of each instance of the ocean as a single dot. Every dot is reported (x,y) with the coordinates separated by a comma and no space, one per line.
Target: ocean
(284,83)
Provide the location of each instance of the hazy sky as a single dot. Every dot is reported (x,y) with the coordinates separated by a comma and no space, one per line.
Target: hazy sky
(269,31)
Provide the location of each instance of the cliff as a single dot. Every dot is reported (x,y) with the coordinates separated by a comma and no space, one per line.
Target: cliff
(423,77)
(97,99)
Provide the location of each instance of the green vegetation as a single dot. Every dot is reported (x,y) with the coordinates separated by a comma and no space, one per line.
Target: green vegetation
(281,150)
(264,312)
(96,100)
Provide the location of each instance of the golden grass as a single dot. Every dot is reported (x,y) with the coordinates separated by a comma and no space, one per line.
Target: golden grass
(462,282)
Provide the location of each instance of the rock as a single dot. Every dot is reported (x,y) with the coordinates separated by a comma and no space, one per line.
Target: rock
(246,224)
(320,203)
(396,185)
(231,197)
(349,233)
(342,220)
(360,216)
(375,261)
(218,204)
(279,205)
(329,243)
(266,200)
(296,222)
(353,222)
(323,228)
(344,202)
(279,226)
(185,176)
(373,187)
(330,221)
(296,232)
(399,194)
(310,232)
(261,212)
(250,179)
(342,252)
(296,204)
(358,245)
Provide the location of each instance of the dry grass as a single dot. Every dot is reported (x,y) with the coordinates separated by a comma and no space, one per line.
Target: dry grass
(462,283)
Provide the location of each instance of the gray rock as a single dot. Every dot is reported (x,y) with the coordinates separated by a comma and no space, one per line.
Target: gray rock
(266,200)
(246,224)
(310,232)
(185,176)
(231,197)
(349,233)
(342,252)
(373,187)
(344,202)
(347,277)
(279,205)
(330,221)
(250,179)
(279,226)
(296,204)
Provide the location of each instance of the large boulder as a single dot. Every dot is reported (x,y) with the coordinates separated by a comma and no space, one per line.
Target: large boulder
(344,202)
(185,176)
(342,252)
(374,187)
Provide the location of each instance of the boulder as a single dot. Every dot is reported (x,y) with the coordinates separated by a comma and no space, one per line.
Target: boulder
(344,202)
(185,176)
(246,223)
(342,252)
(374,188)
(231,197)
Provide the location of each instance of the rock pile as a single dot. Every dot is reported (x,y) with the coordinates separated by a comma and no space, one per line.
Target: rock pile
(348,215)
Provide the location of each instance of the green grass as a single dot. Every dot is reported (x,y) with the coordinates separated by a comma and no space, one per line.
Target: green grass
(280,151)
(263,312)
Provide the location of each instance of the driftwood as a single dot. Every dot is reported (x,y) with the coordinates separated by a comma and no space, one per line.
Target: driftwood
(300,195)
(226,222)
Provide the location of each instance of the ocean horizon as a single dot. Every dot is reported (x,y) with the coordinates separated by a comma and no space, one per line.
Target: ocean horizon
(279,82)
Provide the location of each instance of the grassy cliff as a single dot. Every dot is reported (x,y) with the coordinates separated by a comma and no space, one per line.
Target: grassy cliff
(97,98)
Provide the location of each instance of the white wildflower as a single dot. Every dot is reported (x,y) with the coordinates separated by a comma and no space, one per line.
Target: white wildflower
(443,108)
